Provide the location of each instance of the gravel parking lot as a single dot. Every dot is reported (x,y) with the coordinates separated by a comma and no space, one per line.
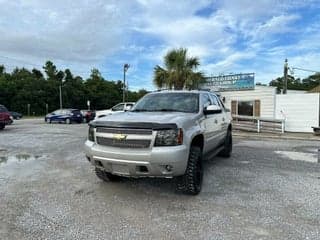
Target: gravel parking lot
(48,191)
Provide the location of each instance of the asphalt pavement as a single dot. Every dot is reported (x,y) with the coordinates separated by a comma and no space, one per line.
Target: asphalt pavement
(268,189)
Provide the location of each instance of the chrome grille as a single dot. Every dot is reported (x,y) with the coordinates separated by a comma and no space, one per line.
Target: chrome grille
(127,143)
(124,131)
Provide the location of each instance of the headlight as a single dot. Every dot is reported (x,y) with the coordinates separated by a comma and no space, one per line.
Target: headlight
(172,137)
(91,134)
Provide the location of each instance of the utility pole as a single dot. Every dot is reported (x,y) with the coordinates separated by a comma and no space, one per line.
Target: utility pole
(125,69)
(60,95)
(60,91)
(285,77)
(28,106)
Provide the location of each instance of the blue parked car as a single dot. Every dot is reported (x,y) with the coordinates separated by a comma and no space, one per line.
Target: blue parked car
(64,115)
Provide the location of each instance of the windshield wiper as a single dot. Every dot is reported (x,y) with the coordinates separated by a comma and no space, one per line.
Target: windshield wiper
(167,110)
(171,110)
(140,110)
(159,110)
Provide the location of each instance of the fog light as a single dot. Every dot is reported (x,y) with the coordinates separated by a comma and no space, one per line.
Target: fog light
(168,168)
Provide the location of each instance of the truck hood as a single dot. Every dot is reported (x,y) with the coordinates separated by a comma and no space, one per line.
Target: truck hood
(178,118)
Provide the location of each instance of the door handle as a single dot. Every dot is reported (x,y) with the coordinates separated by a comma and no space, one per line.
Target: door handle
(223,119)
(215,121)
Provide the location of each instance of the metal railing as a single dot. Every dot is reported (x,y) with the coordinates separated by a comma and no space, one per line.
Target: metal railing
(258,124)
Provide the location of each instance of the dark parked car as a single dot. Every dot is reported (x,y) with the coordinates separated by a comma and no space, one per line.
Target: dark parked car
(16,115)
(4,117)
(88,115)
(64,115)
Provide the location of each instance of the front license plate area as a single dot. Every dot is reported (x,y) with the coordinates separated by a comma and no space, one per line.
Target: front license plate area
(120,169)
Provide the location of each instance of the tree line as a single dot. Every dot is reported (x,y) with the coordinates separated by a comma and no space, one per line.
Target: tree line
(296,83)
(22,86)
(41,90)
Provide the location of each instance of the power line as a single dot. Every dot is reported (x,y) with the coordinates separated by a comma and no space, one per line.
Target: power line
(303,69)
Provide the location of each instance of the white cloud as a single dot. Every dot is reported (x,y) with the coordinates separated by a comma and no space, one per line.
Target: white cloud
(275,25)
(84,32)
(237,36)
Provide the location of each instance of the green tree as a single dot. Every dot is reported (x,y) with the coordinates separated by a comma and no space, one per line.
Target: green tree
(296,83)
(311,81)
(73,91)
(135,96)
(22,87)
(101,93)
(179,71)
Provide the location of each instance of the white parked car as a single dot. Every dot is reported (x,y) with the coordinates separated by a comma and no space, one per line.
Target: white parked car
(120,107)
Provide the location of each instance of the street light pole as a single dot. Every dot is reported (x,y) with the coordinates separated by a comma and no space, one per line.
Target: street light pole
(60,91)
(60,95)
(125,69)
(285,77)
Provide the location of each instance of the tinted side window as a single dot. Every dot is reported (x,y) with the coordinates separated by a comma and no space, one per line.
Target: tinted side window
(215,100)
(118,107)
(76,111)
(221,103)
(206,101)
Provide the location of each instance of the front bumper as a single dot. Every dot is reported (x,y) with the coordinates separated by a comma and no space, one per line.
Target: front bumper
(6,122)
(151,162)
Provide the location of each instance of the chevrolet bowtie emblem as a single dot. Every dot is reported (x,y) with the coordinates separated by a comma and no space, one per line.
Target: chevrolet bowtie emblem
(119,137)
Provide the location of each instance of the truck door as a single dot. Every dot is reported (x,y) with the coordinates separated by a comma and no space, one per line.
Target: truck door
(210,124)
(222,120)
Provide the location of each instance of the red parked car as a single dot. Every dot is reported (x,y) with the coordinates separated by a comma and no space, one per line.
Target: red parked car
(88,115)
(4,117)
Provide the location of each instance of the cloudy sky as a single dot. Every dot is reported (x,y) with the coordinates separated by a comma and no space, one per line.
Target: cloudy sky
(229,36)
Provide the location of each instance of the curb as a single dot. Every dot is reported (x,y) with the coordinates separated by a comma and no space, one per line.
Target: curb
(274,137)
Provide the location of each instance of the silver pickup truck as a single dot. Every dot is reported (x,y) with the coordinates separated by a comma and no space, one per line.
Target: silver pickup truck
(166,134)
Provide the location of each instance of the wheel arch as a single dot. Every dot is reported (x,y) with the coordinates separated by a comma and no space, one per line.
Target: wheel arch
(198,141)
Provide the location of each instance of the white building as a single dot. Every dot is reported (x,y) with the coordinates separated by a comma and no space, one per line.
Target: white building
(299,109)
(259,102)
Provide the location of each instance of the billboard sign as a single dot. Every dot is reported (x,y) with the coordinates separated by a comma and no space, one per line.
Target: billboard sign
(231,82)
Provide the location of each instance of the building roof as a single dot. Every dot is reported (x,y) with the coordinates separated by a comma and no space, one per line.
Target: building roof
(315,90)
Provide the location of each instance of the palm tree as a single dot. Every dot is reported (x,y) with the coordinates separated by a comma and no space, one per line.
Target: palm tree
(179,71)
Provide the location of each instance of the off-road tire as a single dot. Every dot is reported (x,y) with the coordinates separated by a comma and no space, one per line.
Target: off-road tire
(227,149)
(107,177)
(191,182)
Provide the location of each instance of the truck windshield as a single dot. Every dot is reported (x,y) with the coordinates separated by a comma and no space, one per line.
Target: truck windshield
(168,102)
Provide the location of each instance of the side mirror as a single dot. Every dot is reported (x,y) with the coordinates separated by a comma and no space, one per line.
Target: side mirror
(212,109)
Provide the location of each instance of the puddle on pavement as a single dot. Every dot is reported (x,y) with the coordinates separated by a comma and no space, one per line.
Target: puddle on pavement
(244,162)
(7,159)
